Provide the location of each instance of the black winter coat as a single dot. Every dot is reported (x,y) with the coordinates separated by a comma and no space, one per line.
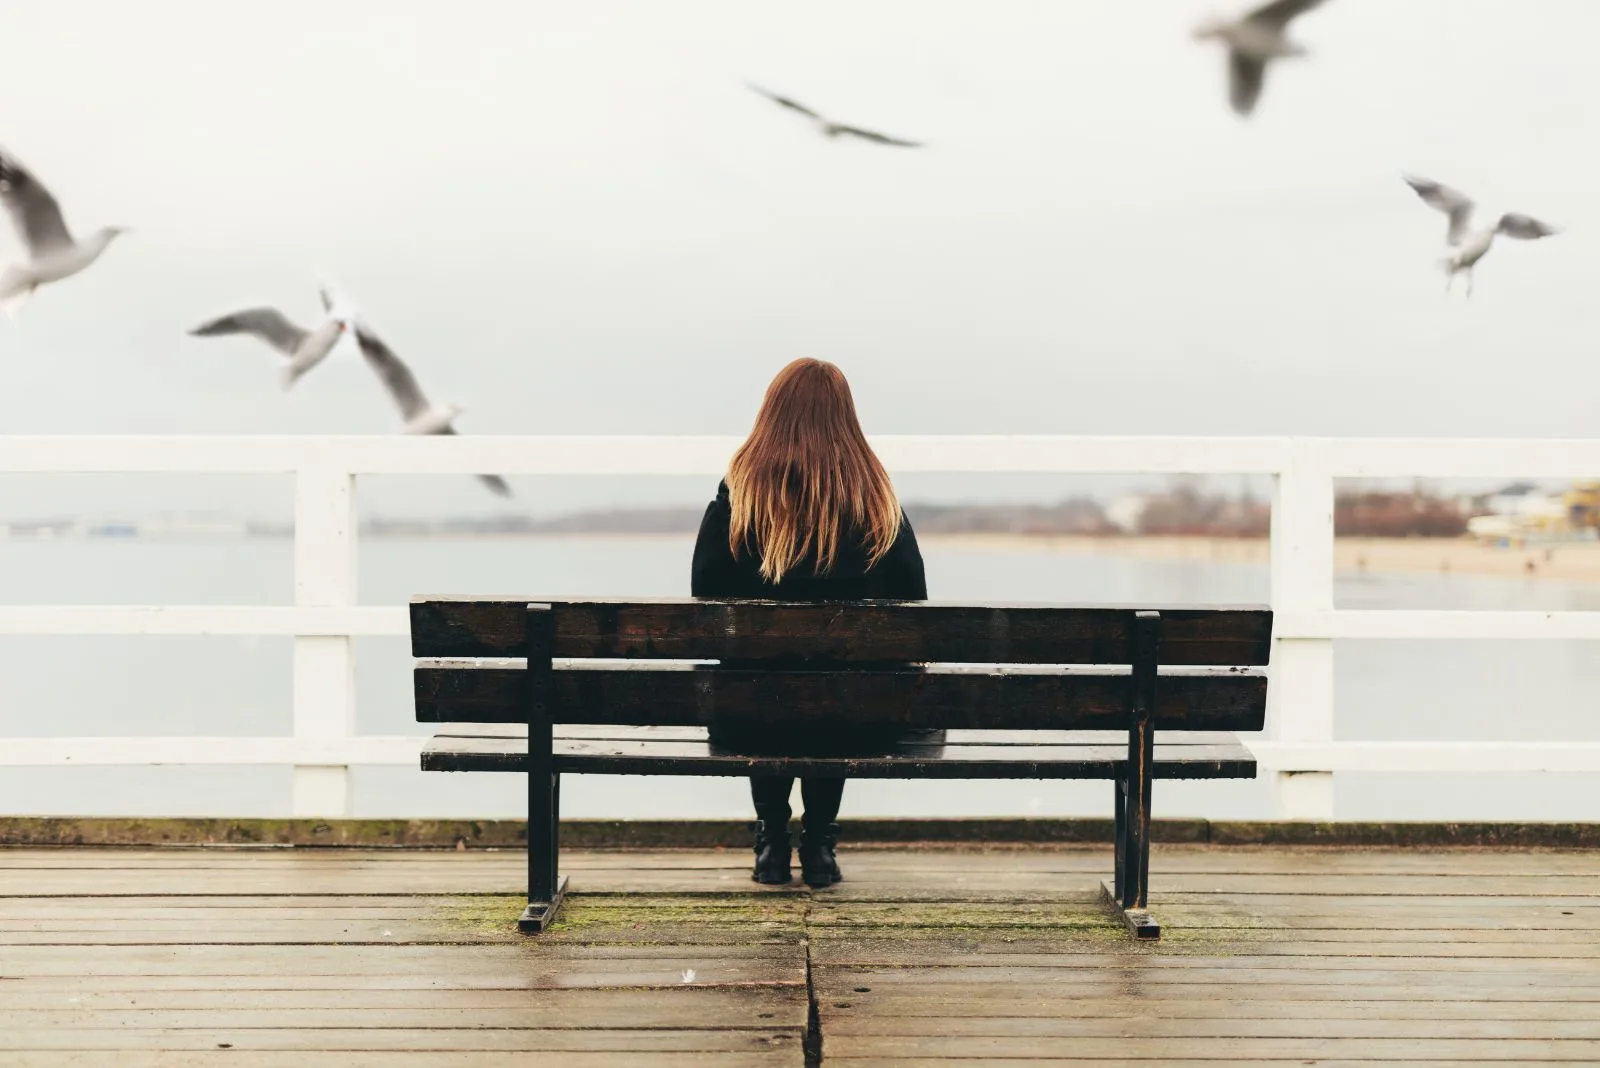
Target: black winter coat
(718,572)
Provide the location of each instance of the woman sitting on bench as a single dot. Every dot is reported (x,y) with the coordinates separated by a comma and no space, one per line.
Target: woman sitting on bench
(805,513)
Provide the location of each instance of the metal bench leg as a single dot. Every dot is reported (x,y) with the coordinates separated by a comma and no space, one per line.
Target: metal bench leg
(546,886)
(1130,894)
(1119,831)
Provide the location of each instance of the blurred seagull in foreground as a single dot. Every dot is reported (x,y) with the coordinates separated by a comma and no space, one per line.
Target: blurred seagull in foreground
(1468,245)
(305,348)
(420,414)
(1253,41)
(829,128)
(52,252)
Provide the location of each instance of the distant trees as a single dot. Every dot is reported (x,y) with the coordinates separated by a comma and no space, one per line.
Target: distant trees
(1183,509)
(1412,514)
(1076,515)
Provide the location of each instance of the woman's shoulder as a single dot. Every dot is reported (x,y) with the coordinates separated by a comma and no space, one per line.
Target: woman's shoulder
(905,532)
(718,511)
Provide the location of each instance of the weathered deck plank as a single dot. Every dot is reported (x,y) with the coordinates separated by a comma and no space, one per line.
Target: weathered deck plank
(397,1036)
(1025,1006)
(1165,1062)
(312,958)
(1278,1027)
(1218,1050)
(427,1058)
(1175,859)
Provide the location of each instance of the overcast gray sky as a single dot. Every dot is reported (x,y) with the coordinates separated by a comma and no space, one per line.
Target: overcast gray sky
(573,218)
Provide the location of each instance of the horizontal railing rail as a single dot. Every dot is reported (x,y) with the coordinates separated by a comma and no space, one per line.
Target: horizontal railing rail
(1301,750)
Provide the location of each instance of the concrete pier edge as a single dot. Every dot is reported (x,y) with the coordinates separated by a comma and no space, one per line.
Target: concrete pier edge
(19,831)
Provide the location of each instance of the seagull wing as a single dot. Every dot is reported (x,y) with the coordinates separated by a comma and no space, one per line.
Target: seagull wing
(1280,13)
(792,105)
(395,375)
(402,385)
(33,210)
(877,138)
(1245,75)
(268,324)
(1457,205)
(1525,227)
(497,484)
(494,482)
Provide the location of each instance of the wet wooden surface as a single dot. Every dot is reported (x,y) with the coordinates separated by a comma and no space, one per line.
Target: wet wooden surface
(262,957)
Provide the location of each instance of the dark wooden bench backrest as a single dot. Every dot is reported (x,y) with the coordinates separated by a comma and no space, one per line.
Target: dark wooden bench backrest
(988,667)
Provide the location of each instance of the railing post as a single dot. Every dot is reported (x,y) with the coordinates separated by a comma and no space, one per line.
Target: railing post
(324,676)
(1300,703)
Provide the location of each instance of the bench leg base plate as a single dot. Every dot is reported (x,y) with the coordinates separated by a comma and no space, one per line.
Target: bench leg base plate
(541,914)
(1139,922)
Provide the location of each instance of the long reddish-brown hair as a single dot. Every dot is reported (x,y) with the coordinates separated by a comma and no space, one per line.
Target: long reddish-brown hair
(806,478)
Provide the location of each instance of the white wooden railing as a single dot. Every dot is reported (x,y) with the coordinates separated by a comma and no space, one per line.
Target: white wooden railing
(1301,751)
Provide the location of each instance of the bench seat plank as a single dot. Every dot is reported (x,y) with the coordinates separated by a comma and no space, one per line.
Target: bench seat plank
(618,732)
(965,755)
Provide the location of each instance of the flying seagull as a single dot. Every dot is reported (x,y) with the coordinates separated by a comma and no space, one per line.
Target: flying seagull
(52,252)
(304,348)
(1467,245)
(1253,41)
(421,415)
(829,128)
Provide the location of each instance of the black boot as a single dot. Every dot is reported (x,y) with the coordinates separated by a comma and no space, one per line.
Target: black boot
(819,866)
(772,845)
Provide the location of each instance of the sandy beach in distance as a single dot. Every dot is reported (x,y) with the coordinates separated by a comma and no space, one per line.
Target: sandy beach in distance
(1567,561)
(1577,561)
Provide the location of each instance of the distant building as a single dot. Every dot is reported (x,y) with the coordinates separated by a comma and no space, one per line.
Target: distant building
(1524,511)
(1521,498)
(1125,513)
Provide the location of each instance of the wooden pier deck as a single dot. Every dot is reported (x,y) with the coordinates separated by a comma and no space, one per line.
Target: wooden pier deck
(258,957)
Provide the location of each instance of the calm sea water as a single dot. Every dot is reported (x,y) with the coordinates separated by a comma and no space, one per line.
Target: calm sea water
(241,686)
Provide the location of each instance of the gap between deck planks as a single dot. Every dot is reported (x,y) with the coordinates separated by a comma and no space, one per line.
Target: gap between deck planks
(313,958)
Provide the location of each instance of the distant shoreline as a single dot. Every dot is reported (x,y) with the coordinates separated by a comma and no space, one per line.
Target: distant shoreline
(1565,561)
(1561,561)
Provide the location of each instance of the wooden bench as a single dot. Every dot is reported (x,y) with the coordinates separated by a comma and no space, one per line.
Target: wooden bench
(1024,692)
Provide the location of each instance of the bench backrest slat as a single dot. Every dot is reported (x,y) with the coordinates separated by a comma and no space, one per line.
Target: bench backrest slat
(1194,700)
(837,665)
(924,632)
